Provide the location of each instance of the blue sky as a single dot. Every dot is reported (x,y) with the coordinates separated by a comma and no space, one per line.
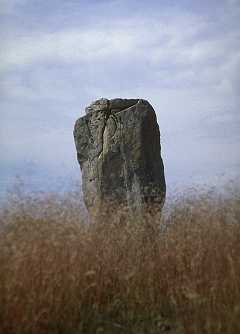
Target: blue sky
(59,56)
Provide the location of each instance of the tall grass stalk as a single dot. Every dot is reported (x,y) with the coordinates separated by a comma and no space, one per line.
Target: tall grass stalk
(60,275)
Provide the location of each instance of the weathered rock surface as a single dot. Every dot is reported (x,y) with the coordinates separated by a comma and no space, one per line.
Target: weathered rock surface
(118,149)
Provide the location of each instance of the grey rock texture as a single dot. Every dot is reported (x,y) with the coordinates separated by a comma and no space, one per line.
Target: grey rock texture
(118,149)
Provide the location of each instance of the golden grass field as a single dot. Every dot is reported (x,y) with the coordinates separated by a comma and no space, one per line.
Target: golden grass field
(59,276)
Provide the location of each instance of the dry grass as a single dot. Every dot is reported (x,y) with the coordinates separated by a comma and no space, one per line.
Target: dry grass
(58,275)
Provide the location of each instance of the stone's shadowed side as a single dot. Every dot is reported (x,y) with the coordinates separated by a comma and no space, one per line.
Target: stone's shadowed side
(119,152)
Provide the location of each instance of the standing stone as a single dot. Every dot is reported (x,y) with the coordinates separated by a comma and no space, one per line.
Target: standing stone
(118,149)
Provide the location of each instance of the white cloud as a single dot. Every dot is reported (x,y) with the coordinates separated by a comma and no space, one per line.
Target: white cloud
(223,118)
(69,46)
(147,38)
(167,54)
(170,49)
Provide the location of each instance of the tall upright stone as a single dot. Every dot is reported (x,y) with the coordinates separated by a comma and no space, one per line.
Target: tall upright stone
(119,152)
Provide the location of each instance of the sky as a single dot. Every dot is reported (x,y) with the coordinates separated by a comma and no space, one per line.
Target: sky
(56,57)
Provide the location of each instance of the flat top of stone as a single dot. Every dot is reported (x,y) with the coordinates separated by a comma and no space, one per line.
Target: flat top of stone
(108,105)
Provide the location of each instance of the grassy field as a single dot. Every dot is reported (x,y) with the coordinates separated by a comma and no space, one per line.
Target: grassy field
(58,275)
